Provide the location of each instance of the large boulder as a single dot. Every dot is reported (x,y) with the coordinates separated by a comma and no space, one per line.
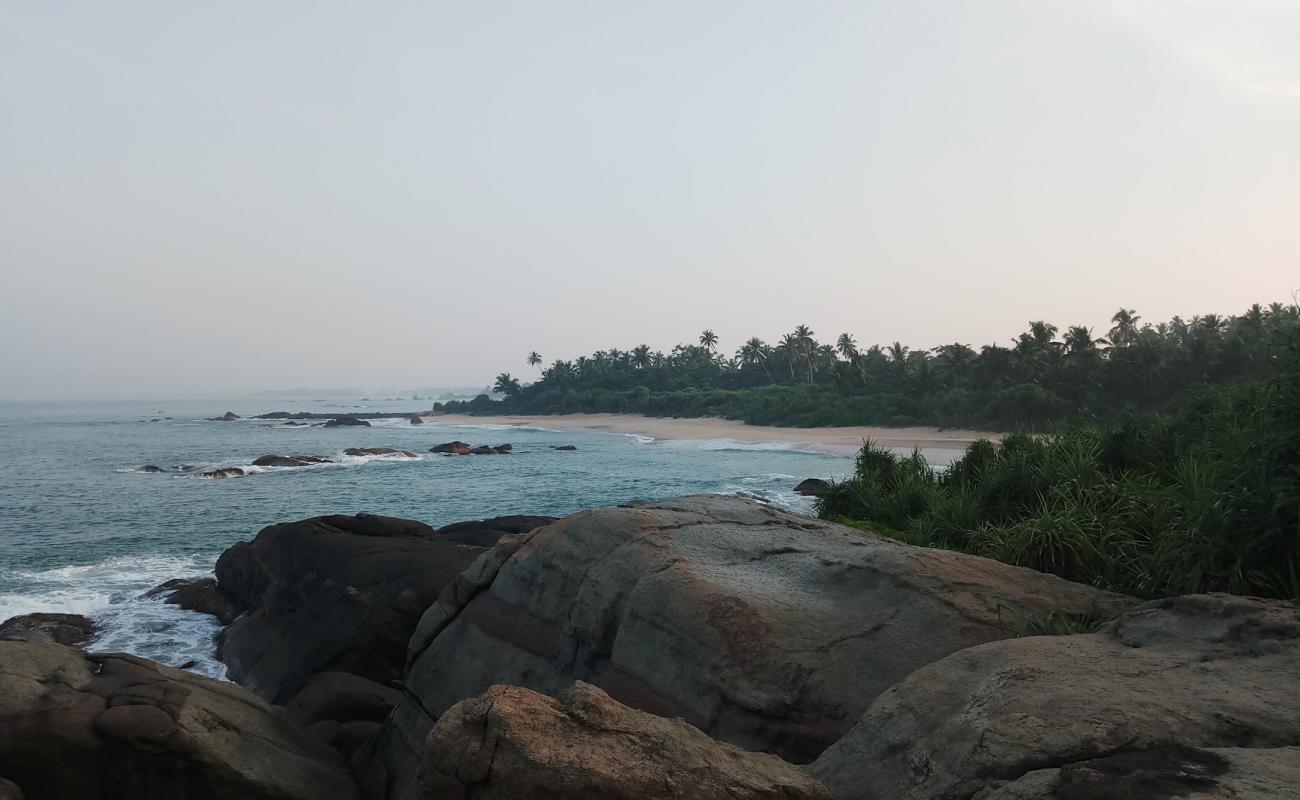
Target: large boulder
(486,532)
(812,487)
(1039,716)
(512,742)
(69,629)
(198,594)
(117,727)
(450,447)
(763,629)
(337,593)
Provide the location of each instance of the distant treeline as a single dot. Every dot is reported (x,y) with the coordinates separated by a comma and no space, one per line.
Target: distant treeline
(1046,376)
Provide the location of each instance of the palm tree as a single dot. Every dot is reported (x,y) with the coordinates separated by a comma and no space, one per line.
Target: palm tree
(846,346)
(754,353)
(709,340)
(1126,327)
(1078,340)
(807,345)
(506,385)
(535,359)
(641,356)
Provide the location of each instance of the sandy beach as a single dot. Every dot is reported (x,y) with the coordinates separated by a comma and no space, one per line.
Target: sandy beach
(836,441)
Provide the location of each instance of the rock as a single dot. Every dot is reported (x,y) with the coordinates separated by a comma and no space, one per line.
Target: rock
(198,594)
(512,742)
(342,422)
(150,468)
(291,424)
(416,419)
(313,459)
(343,710)
(501,452)
(482,450)
(9,790)
(503,448)
(1042,716)
(229,416)
(1177,771)
(763,629)
(812,487)
(280,461)
(335,593)
(486,532)
(69,629)
(228,472)
(111,727)
(564,447)
(449,447)
(374,451)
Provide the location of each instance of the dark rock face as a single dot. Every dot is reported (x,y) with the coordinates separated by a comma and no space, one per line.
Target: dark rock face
(486,532)
(343,710)
(766,630)
(812,487)
(449,447)
(335,593)
(116,727)
(342,422)
(67,629)
(515,743)
(1139,711)
(198,594)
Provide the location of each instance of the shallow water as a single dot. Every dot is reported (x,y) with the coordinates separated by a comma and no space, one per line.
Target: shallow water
(82,530)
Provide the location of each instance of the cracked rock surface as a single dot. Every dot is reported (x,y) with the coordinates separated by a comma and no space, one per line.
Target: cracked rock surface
(112,727)
(512,742)
(1189,697)
(762,629)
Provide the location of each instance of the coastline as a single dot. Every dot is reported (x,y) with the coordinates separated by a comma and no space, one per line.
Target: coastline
(832,441)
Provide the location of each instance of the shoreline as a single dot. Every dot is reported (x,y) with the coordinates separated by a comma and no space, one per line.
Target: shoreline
(829,440)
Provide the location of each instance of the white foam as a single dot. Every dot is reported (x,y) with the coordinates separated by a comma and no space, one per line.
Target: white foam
(640,438)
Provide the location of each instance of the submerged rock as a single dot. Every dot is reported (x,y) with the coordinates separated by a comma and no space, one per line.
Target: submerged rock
(1144,705)
(336,593)
(763,629)
(111,727)
(511,742)
(67,629)
(150,468)
(198,594)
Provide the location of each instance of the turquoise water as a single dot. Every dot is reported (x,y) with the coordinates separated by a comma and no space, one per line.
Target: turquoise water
(81,530)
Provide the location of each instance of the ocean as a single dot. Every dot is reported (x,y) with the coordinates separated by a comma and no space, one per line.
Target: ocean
(84,530)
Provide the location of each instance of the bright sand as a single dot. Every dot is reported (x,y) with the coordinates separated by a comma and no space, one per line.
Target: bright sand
(836,441)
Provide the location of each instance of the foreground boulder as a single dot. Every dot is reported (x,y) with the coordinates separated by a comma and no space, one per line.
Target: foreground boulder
(69,629)
(336,593)
(116,727)
(763,629)
(1136,711)
(512,743)
(198,594)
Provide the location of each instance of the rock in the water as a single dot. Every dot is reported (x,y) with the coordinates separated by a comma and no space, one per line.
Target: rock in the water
(335,593)
(342,422)
(482,450)
(113,727)
(812,487)
(503,448)
(1044,712)
(449,447)
(70,629)
(763,629)
(564,447)
(229,416)
(514,743)
(376,451)
(416,419)
(198,594)
(150,468)
(486,532)
(280,461)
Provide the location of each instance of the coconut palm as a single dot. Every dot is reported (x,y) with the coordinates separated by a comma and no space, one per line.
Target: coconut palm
(641,356)
(535,359)
(506,385)
(846,347)
(708,340)
(1126,327)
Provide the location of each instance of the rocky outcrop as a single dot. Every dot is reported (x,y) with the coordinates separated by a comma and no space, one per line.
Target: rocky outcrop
(289,461)
(450,447)
(343,422)
(378,451)
(766,630)
(150,468)
(812,487)
(68,629)
(229,416)
(1197,694)
(486,532)
(198,594)
(513,743)
(116,727)
(416,419)
(335,593)
(343,710)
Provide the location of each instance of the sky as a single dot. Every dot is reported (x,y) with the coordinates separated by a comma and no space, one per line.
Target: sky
(202,198)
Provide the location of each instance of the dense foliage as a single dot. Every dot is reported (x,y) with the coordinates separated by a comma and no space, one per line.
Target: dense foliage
(1040,379)
(1205,497)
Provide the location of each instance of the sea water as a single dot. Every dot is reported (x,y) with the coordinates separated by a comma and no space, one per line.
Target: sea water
(84,530)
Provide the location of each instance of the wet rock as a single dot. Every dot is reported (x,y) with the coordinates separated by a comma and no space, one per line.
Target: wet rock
(416,419)
(67,629)
(198,594)
(229,416)
(449,447)
(228,472)
(343,422)
(812,487)
(564,447)
(152,468)
(482,450)
(280,461)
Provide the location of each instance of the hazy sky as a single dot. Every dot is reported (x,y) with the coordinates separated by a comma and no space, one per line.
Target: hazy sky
(219,197)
